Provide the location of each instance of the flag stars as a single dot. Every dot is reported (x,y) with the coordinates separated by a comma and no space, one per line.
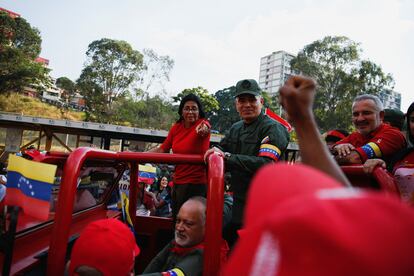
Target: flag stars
(25,183)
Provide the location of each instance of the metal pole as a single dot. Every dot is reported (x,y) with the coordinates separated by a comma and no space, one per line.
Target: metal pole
(9,240)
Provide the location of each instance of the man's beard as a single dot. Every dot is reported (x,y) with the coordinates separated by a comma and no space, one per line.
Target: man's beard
(180,239)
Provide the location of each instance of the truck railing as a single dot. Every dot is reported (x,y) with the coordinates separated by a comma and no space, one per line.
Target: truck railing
(381,176)
(66,196)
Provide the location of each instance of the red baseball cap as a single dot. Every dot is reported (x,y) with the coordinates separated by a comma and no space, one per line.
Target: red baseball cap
(278,182)
(330,231)
(337,134)
(107,245)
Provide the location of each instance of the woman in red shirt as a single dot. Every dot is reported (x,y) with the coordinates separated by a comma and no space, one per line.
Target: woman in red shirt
(189,135)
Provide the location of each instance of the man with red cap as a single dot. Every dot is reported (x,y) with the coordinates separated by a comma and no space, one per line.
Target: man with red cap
(313,225)
(105,247)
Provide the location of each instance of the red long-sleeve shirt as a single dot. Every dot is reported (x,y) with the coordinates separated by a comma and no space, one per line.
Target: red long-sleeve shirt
(186,141)
(382,143)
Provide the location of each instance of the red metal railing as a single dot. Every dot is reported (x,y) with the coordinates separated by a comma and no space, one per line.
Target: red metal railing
(384,179)
(214,219)
(66,196)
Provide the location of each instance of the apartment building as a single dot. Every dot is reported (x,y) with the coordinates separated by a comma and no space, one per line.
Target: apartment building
(274,71)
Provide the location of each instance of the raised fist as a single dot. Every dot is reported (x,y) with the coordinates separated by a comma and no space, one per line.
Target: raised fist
(296,96)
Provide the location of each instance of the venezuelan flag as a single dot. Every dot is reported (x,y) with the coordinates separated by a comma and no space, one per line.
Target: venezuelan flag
(147,174)
(29,186)
(125,209)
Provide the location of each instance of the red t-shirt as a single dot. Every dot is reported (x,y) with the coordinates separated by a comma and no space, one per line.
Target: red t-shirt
(187,141)
(381,143)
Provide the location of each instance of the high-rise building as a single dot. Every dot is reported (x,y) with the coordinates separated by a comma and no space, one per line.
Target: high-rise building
(274,71)
(390,99)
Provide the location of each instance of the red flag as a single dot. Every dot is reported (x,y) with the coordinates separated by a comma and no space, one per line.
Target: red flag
(276,117)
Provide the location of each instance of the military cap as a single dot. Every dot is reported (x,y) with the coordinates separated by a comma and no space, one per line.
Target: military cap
(248,86)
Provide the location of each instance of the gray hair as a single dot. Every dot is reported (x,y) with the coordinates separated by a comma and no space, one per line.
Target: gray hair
(375,99)
(203,202)
(258,98)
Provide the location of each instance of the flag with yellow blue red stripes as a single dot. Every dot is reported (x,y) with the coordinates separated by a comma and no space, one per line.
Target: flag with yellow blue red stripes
(29,186)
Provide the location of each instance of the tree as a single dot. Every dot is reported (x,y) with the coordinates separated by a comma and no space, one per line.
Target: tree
(156,71)
(335,63)
(95,107)
(119,73)
(227,114)
(210,104)
(112,67)
(68,87)
(20,45)
(151,112)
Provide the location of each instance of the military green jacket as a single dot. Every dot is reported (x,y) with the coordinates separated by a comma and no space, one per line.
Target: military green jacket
(190,264)
(251,146)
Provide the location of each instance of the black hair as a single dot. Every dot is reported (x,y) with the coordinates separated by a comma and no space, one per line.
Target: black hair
(394,117)
(194,98)
(158,185)
(409,111)
(402,153)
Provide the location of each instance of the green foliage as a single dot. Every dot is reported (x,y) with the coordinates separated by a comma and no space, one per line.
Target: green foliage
(271,102)
(116,82)
(68,87)
(334,62)
(95,101)
(154,113)
(209,102)
(371,79)
(111,69)
(20,45)
(227,114)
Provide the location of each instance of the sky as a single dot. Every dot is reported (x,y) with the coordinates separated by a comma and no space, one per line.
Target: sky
(215,43)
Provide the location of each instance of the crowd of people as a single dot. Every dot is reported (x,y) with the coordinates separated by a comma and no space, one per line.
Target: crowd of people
(282,219)
(311,222)
(315,223)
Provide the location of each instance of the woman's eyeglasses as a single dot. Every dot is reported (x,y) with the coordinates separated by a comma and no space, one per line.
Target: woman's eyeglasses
(190,109)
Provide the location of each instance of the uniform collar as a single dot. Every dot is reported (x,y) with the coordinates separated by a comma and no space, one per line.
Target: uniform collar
(376,131)
(255,122)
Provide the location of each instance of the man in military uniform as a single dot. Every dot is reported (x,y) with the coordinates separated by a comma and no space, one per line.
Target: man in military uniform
(251,143)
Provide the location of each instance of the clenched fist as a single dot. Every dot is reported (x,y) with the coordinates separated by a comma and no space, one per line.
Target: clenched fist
(296,96)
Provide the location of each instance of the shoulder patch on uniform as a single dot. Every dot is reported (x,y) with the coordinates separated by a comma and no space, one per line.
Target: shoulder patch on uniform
(271,151)
(265,140)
